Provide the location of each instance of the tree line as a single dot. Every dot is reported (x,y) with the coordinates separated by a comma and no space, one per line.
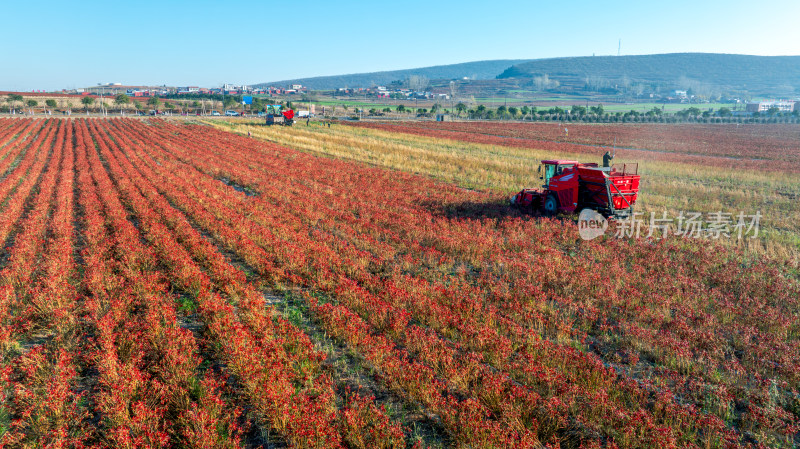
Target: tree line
(597,113)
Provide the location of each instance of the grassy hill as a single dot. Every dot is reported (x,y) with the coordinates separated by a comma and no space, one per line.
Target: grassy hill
(722,73)
(479,70)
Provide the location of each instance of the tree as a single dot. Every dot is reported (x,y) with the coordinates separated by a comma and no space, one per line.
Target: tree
(13,98)
(501,111)
(87,101)
(460,108)
(724,112)
(154,102)
(693,111)
(773,111)
(417,83)
(257,105)
(121,100)
(50,103)
(481,109)
(401,108)
(578,110)
(32,104)
(168,106)
(453,89)
(513,111)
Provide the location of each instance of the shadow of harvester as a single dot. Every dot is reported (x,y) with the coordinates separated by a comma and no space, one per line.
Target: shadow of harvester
(475,210)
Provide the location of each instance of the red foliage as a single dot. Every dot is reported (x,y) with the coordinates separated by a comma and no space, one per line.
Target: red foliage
(504,329)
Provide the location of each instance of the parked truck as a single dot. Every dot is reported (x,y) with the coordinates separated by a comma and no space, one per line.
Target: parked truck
(278,115)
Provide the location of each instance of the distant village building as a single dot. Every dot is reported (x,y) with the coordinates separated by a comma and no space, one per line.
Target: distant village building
(235,89)
(116,88)
(764,106)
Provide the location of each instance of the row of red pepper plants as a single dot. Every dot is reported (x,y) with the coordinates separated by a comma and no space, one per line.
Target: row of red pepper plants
(35,287)
(425,281)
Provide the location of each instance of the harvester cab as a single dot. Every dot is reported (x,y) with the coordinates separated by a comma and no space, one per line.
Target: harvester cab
(551,168)
(569,186)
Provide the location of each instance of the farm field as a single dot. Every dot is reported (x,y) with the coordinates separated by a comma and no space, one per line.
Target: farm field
(771,147)
(165,284)
(672,181)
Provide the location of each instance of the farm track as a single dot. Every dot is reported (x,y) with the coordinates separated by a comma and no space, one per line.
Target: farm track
(216,291)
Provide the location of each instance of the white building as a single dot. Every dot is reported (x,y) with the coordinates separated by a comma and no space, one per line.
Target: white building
(764,106)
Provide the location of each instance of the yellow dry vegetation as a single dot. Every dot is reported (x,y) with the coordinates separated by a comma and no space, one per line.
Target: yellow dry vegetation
(670,187)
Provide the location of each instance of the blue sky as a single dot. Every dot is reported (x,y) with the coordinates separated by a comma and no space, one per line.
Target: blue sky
(57,44)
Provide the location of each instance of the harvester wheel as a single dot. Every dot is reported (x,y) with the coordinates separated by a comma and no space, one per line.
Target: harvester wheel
(550,205)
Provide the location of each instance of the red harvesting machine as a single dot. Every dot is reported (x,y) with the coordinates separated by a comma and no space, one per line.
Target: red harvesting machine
(570,186)
(278,115)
